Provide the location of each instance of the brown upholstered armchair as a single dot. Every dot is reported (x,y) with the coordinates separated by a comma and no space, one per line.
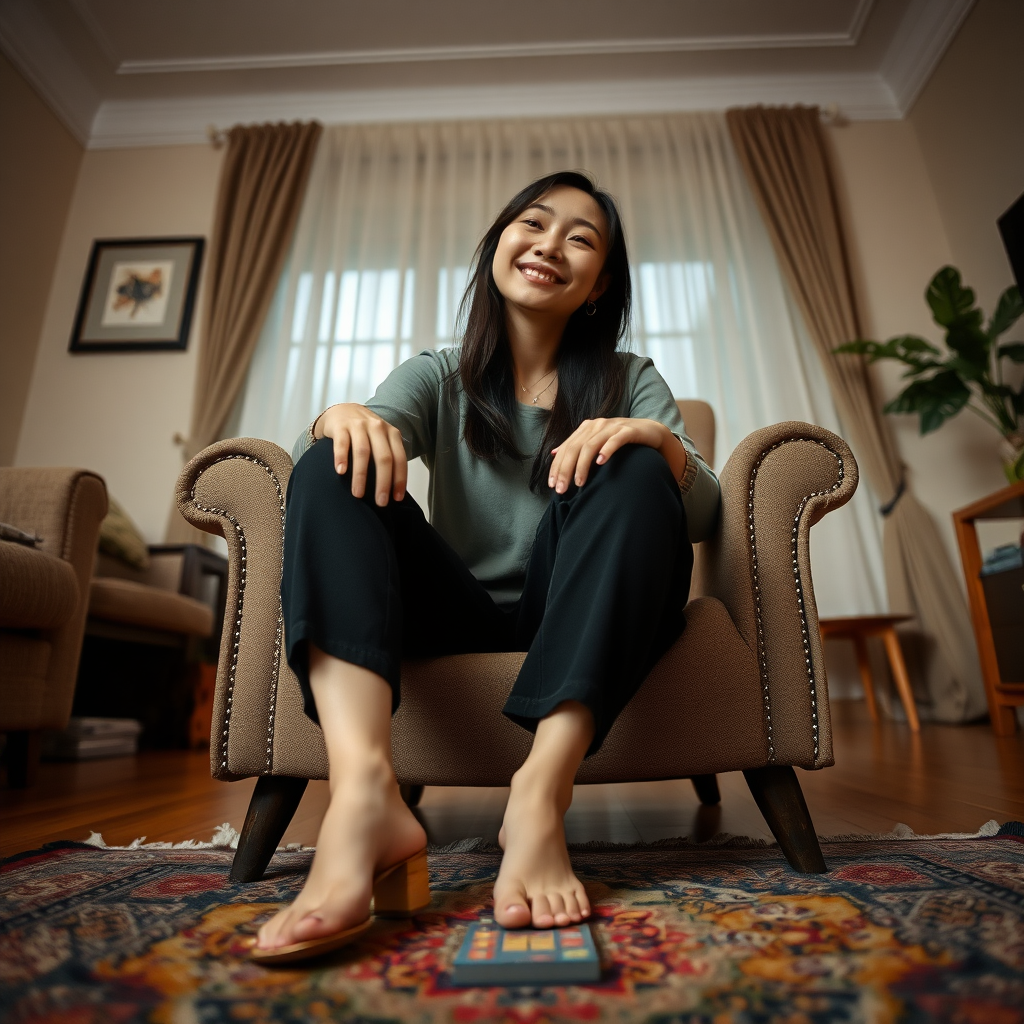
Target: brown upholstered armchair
(743,688)
(44,596)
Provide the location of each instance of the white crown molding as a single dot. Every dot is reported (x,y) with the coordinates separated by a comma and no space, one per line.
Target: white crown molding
(927,29)
(921,39)
(859,19)
(178,122)
(48,67)
(567,48)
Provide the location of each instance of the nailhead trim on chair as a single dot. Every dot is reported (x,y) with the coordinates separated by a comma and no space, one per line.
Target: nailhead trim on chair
(238,611)
(762,655)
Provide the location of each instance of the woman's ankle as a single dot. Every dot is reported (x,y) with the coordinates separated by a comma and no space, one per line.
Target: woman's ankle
(367,770)
(537,783)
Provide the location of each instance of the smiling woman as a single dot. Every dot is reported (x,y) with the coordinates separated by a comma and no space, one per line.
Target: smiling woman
(555,262)
(563,529)
(381,258)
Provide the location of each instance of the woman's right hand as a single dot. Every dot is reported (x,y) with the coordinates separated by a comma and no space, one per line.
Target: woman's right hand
(361,432)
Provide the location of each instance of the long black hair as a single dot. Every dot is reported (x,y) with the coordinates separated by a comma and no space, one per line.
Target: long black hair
(591,377)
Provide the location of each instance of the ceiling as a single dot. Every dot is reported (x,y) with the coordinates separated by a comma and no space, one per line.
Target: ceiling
(121,73)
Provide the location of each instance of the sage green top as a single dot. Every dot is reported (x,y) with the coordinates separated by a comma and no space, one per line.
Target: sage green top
(485,509)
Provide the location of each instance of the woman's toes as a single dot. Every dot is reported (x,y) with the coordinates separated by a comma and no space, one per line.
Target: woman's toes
(269,936)
(514,915)
(543,915)
(511,909)
(572,908)
(582,902)
(558,910)
(310,926)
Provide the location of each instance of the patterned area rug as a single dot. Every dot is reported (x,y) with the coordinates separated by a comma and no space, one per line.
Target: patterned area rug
(897,930)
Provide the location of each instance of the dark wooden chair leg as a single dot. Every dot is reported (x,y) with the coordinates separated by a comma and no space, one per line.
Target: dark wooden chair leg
(411,794)
(22,756)
(273,803)
(707,789)
(781,801)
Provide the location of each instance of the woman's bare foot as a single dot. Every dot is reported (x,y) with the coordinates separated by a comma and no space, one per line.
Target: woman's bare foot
(367,827)
(536,884)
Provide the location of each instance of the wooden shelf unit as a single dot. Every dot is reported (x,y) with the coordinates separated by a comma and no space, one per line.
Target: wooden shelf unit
(1004,696)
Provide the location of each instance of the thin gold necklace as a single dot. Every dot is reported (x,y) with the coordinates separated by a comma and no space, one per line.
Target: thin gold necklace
(536,397)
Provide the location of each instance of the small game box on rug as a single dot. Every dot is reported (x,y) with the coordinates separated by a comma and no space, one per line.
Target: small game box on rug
(490,955)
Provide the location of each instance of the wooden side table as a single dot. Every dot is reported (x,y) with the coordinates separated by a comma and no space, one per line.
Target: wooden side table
(1004,695)
(858,628)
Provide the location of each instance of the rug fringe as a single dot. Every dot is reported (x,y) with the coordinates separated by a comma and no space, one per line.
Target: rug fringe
(226,838)
(901,831)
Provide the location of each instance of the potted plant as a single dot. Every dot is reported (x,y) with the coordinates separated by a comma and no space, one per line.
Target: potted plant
(969,374)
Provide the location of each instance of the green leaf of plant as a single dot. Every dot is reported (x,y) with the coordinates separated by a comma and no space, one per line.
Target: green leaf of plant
(1008,310)
(950,301)
(996,390)
(919,366)
(906,348)
(971,345)
(859,347)
(1013,351)
(935,399)
(909,343)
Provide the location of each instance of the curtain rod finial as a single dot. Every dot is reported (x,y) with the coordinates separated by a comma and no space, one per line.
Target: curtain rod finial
(831,114)
(217,136)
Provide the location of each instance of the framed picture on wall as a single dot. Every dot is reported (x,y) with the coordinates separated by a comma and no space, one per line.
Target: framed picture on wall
(138,294)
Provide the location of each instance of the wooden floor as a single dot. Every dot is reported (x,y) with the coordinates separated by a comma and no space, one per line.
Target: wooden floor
(946,779)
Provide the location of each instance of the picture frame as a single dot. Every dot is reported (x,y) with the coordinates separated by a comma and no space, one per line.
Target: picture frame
(138,295)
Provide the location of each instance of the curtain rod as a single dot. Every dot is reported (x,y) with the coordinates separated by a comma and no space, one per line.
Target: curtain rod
(830,114)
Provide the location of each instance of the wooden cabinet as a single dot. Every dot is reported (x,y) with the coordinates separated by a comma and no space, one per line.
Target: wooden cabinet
(1004,695)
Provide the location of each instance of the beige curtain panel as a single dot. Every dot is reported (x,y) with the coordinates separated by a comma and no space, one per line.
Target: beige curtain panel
(782,151)
(265,171)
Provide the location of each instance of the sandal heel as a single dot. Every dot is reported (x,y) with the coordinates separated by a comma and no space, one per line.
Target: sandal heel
(403,890)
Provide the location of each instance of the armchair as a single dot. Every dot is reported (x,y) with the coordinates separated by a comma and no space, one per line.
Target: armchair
(743,688)
(44,596)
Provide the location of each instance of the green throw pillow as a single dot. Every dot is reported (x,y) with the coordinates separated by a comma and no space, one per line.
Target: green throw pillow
(120,538)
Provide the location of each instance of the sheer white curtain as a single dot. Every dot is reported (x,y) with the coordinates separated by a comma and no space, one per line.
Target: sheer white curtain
(392,216)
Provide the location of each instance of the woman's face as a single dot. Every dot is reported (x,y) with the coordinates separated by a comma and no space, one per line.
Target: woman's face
(549,259)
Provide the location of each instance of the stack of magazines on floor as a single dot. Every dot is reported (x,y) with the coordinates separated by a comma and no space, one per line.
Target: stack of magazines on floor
(93,737)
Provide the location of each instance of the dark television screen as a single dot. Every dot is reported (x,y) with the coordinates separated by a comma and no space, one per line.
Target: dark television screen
(1011,227)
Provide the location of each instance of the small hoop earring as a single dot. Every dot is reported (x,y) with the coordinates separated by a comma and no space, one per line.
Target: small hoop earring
(591,307)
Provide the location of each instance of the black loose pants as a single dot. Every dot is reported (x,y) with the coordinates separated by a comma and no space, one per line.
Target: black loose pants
(603,600)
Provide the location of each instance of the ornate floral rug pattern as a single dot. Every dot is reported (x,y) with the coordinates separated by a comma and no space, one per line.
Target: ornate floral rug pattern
(895,931)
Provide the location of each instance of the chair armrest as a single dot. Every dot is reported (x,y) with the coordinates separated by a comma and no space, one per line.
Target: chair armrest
(777,484)
(236,488)
(46,500)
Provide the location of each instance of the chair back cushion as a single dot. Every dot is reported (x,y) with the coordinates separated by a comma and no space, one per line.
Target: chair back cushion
(699,418)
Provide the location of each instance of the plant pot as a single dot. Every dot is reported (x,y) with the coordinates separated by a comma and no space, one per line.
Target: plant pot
(1012,452)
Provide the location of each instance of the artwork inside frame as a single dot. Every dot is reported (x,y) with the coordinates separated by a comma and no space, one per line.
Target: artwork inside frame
(138,295)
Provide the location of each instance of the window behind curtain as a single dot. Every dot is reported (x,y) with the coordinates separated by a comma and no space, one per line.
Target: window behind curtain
(391,219)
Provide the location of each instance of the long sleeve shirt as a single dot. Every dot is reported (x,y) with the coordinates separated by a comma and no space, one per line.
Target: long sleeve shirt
(484,508)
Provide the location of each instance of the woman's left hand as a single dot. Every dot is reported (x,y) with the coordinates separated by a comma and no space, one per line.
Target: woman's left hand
(598,440)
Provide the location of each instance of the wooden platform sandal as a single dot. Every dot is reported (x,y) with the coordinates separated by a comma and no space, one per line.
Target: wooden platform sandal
(399,891)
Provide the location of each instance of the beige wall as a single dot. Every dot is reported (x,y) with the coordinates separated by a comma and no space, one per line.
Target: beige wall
(111,412)
(923,192)
(39,162)
(969,122)
(897,240)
